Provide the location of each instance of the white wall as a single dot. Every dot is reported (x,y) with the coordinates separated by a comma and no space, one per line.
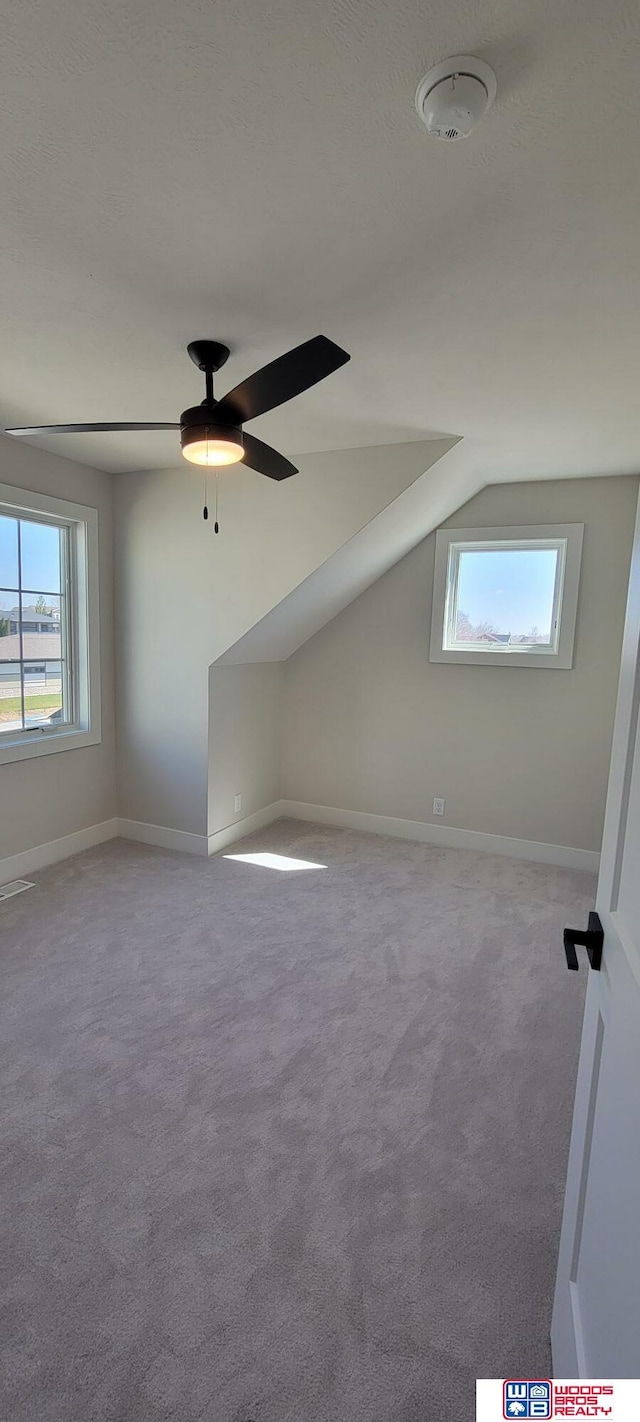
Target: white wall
(55,795)
(370,724)
(183,596)
(245,730)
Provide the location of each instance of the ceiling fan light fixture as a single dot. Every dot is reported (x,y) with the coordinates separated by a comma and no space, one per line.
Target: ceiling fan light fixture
(211,445)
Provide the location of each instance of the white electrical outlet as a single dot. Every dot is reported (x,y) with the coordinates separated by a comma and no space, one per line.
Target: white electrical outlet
(237,804)
(438,807)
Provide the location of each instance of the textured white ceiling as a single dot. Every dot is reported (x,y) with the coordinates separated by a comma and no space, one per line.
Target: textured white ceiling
(256,172)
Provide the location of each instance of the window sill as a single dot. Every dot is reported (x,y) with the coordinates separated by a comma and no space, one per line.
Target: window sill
(46,743)
(551,661)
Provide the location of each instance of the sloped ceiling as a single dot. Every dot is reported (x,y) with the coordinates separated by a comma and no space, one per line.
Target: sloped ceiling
(456,473)
(257,173)
(361,559)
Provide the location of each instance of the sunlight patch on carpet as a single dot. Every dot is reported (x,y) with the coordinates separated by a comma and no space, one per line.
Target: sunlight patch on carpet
(276,861)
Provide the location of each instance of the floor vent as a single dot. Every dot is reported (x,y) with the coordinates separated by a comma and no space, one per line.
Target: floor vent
(18,886)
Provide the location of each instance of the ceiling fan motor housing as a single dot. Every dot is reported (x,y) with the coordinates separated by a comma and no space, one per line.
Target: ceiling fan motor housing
(205,415)
(453,97)
(199,425)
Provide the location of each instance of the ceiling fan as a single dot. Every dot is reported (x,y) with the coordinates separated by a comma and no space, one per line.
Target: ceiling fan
(212,433)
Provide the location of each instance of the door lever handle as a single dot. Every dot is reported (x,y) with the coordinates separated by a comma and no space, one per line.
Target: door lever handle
(592,939)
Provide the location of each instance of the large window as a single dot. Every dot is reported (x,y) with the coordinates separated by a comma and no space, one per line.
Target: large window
(506,596)
(48,625)
(36,662)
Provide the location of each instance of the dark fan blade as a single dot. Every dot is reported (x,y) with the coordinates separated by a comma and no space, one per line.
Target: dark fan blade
(283,378)
(266,460)
(85,429)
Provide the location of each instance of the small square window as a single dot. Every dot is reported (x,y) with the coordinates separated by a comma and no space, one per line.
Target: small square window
(506,596)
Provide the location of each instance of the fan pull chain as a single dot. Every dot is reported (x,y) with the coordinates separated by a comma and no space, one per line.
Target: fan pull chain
(205,511)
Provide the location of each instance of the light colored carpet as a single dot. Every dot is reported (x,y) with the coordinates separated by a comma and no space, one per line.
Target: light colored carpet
(287,1147)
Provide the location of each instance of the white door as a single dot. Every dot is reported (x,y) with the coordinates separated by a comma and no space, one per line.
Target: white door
(596,1318)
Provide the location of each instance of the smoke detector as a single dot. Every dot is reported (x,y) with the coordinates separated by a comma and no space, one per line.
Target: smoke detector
(455,95)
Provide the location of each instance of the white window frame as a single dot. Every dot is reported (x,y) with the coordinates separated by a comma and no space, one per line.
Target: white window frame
(450,542)
(84,630)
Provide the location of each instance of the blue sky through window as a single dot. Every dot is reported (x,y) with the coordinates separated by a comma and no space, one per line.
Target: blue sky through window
(511,589)
(40,558)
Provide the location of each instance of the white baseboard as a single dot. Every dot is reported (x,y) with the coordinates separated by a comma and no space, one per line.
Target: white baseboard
(202,844)
(163,837)
(230,833)
(537,852)
(30,860)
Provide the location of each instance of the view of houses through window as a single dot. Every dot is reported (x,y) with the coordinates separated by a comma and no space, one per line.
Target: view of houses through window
(34,640)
